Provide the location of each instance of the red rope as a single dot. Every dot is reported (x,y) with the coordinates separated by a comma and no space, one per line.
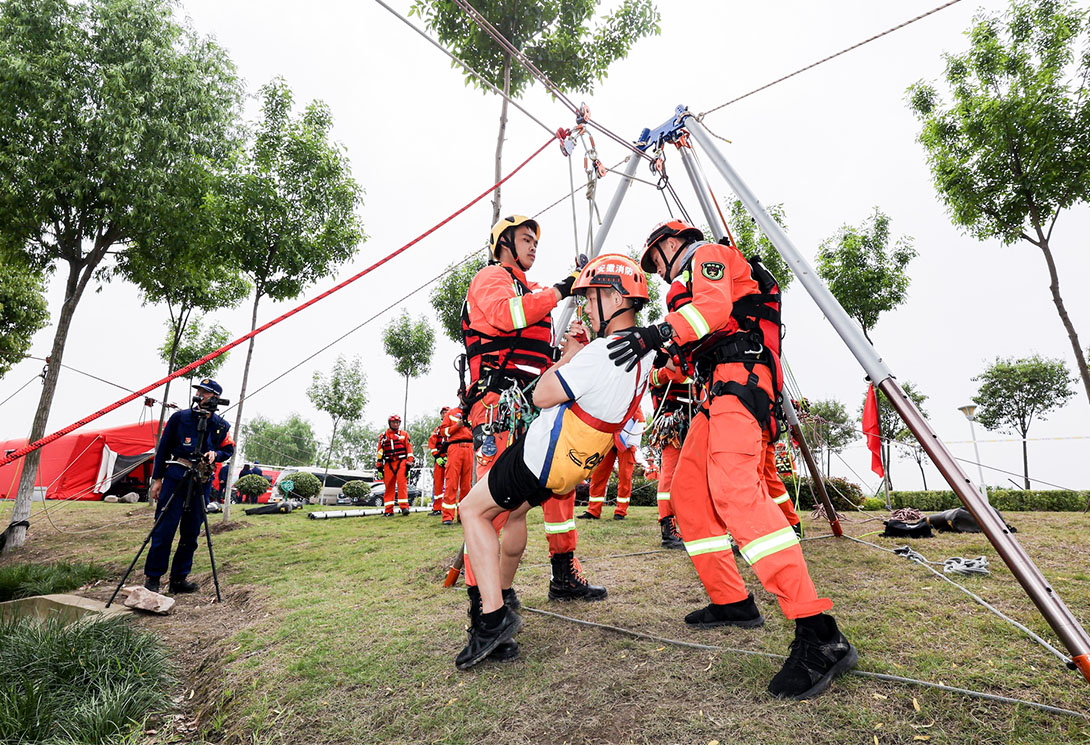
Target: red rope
(231,345)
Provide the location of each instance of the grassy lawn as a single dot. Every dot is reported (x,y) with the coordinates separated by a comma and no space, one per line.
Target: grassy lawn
(340,631)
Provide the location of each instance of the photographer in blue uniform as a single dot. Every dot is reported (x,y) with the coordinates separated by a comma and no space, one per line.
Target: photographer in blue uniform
(176,455)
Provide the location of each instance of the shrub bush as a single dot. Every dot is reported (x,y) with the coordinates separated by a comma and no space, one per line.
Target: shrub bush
(252,486)
(844,494)
(356,489)
(304,485)
(1014,500)
(874,503)
(25,580)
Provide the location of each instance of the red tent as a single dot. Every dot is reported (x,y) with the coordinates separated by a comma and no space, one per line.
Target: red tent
(88,463)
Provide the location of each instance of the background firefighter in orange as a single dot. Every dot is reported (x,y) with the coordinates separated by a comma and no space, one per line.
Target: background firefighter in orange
(507,330)
(674,400)
(459,473)
(395,457)
(437,445)
(723,320)
(623,453)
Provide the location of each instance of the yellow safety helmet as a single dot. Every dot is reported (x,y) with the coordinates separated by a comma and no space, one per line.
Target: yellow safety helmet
(506,223)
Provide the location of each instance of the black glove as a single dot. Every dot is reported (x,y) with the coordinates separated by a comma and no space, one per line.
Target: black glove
(564,286)
(633,345)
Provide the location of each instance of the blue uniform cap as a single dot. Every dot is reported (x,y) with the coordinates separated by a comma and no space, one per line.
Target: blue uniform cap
(210,385)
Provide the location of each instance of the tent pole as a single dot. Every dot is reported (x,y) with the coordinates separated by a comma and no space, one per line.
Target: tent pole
(564,317)
(1048,602)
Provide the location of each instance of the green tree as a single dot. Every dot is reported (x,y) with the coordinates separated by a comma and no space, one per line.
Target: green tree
(287,443)
(287,213)
(865,275)
(555,35)
(185,270)
(411,345)
(23,312)
(890,425)
(356,447)
(751,240)
(106,107)
(449,295)
(1011,152)
(180,349)
(342,395)
(1014,391)
(828,427)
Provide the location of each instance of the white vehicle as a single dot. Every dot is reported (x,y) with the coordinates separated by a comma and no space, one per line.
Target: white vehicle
(334,480)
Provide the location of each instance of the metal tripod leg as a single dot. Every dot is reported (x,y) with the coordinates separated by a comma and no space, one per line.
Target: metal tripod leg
(144,545)
(208,540)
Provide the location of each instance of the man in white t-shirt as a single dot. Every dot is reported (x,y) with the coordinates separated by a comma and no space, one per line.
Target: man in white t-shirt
(585,400)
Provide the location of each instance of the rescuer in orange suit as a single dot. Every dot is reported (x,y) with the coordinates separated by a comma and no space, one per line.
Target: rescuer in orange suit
(674,400)
(437,445)
(723,320)
(395,457)
(507,330)
(459,475)
(624,455)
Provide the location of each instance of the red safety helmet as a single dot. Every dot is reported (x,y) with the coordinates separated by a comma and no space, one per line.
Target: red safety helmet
(617,272)
(393,418)
(444,410)
(667,229)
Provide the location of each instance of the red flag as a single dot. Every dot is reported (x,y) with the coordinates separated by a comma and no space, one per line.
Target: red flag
(871,430)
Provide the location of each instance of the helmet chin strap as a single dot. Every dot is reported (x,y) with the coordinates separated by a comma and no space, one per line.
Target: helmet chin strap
(668,263)
(514,254)
(603,322)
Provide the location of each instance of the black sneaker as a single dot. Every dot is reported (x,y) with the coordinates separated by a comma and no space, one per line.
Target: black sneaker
(482,642)
(404,511)
(181,584)
(511,599)
(151,583)
(743,614)
(618,517)
(448,522)
(433,513)
(587,516)
(387,514)
(505,652)
(797,527)
(819,653)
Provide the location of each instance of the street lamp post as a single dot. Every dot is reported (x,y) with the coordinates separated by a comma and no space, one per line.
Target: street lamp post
(969,410)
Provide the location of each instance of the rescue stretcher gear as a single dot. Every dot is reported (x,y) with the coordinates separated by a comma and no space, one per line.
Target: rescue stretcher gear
(497,238)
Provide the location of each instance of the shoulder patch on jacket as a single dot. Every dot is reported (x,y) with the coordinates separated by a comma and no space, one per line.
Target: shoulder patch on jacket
(712,270)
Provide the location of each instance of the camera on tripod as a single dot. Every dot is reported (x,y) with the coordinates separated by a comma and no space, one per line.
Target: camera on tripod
(210,404)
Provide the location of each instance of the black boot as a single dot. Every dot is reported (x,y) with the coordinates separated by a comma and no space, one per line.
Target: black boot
(671,538)
(797,527)
(486,635)
(568,583)
(744,614)
(506,651)
(587,516)
(181,584)
(151,583)
(819,653)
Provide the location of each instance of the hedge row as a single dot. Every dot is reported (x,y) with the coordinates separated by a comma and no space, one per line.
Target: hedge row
(1014,500)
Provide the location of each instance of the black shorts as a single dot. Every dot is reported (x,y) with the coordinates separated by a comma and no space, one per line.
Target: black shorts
(511,483)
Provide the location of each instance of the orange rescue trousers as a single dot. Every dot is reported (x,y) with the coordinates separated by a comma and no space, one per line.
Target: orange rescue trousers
(438,480)
(774,483)
(667,466)
(718,487)
(458,478)
(599,481)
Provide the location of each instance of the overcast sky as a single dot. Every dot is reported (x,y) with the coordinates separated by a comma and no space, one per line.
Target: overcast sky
(830,144)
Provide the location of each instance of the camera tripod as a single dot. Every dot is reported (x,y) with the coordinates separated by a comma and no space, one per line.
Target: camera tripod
(194,499)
